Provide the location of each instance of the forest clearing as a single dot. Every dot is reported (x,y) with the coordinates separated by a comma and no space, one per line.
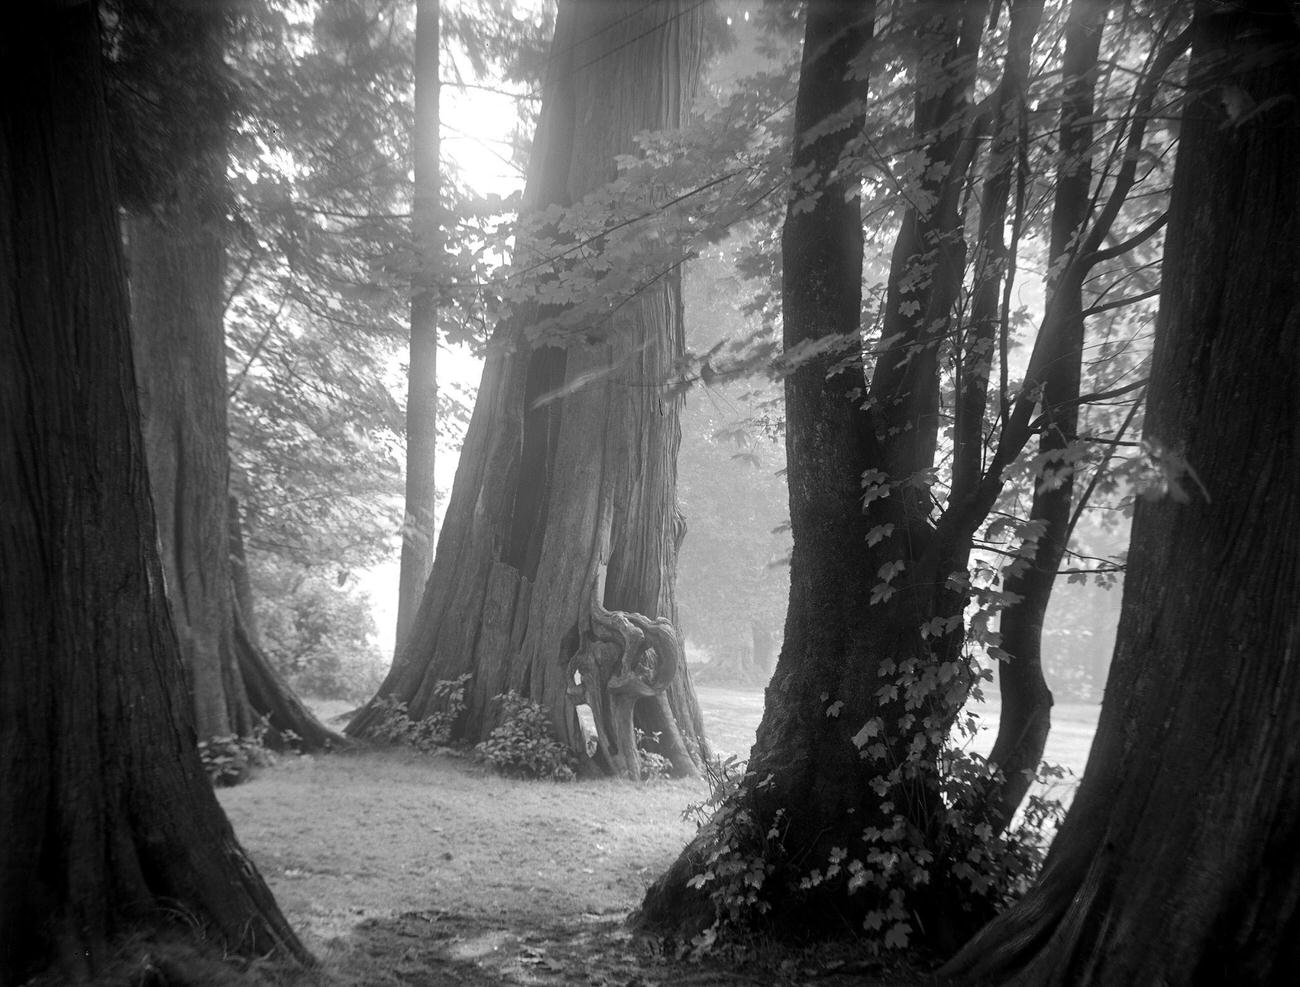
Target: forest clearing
(718,453)
(403,868)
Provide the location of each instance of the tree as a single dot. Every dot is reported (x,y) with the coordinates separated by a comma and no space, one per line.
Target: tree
(422,389)
(856,806)
(173,103)
(110,824)
(1170,867)
(564,500)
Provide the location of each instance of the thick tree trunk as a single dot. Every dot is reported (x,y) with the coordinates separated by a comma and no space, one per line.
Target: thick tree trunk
(422,373)
(110,826)
(1176,863)
(564,502)
(851,618)
(1025,715)
(177,268)
(176,258)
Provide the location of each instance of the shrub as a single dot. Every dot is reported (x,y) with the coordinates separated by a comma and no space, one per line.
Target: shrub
(230,760)
(893,871)
(653,764)
(395,725)
(523,744)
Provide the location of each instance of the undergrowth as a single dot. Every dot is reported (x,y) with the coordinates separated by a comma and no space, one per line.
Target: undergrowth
(523,745)
(395,726)
(928,845)
(231,759)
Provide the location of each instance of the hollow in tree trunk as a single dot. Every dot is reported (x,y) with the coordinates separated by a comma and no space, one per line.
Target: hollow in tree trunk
(562,523)
(1176,863)
(110,826)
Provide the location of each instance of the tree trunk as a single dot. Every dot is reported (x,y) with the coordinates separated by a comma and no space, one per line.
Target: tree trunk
(851,620)
(177,267)
(422,374)
(176,257)
(110,824)
(1025,715)
(564,502)
(1175,864)
(827,438)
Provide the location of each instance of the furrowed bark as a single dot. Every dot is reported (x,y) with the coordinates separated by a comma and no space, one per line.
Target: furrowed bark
(827,439)
(568,472)
(110,826)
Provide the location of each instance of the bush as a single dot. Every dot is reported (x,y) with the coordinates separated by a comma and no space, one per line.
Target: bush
(230,760)
(892,873)
(395,725)
(523,745)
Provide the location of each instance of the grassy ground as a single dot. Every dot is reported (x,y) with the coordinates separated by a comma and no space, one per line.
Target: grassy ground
(398,868)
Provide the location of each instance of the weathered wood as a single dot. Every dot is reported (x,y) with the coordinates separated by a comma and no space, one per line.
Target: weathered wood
(569,460)
(495,648)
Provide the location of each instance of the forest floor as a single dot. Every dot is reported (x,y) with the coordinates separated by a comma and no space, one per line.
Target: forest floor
(398,868)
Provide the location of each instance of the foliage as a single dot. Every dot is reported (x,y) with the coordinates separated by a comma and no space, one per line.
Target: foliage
(321,257)
(231,760)
(523,744)
(930,839)
(653,764)
(724,773)
(319,635)
(394,725)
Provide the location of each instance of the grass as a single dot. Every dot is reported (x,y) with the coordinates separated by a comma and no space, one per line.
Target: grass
(403,869)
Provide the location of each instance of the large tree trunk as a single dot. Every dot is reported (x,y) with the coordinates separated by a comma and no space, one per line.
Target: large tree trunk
(177,264)
(1176,864)
(110,825)
(565,498)
(177,268)
(422,373)
(808,779)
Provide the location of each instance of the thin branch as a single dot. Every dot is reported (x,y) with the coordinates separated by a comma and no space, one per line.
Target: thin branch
(1127,175)
(1121,302)
(1093,398)
(256,351)
(1101,469)
(1137,239)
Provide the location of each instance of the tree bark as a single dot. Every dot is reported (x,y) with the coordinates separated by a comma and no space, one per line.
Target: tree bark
(564,503)
(110,824)
(1174,864)
(847,618)
(422,374)
(177,267)
(827,440)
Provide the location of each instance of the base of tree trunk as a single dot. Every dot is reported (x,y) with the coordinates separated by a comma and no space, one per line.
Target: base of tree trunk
(271,697)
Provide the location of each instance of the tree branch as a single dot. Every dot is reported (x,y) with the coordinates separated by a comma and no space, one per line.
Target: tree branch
(1098,256)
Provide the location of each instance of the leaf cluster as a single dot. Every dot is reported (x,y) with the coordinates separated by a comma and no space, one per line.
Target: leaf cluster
(523,744)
